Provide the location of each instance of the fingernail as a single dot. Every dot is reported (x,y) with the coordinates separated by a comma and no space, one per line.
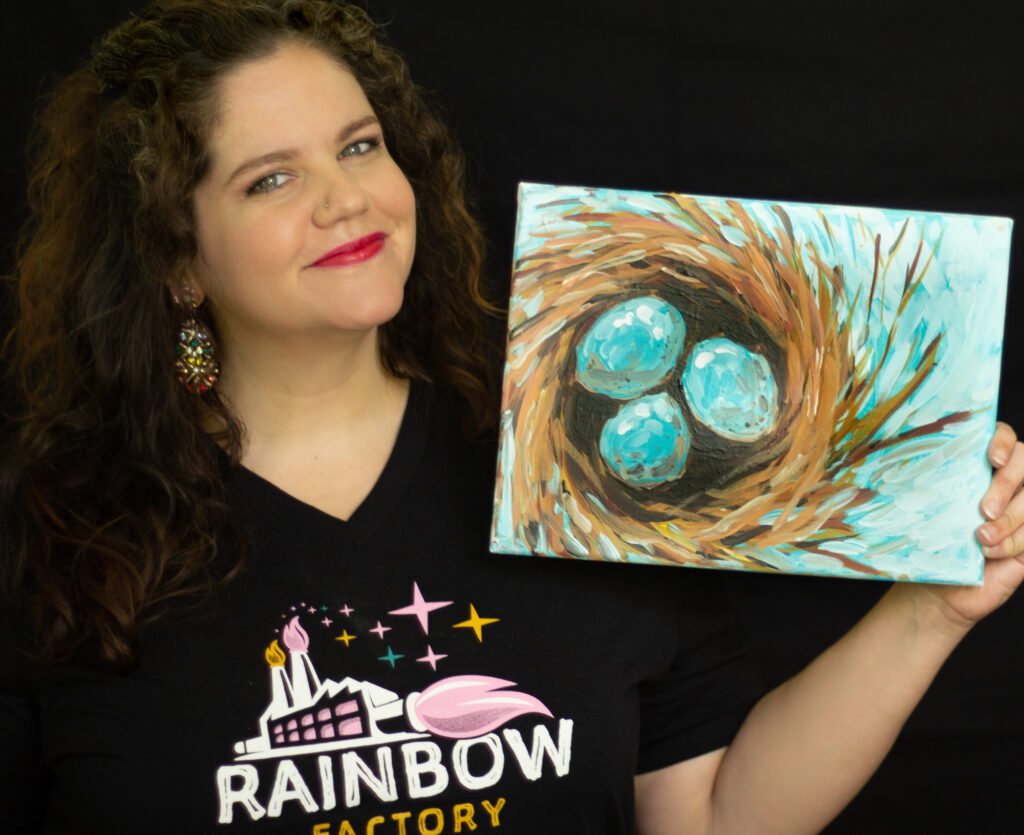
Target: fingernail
(999,457)
(990,508)
(988,551)
(987,533)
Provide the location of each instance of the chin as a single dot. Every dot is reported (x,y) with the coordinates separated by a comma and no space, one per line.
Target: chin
(374,312)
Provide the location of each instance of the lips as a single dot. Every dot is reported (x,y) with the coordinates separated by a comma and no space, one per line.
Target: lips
(353,252)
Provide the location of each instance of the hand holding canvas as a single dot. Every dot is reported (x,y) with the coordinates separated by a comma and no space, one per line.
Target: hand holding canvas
(1002,539)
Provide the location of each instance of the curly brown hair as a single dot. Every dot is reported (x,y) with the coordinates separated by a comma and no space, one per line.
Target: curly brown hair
(111,493)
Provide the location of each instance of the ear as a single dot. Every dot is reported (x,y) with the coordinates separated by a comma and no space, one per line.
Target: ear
(186,292)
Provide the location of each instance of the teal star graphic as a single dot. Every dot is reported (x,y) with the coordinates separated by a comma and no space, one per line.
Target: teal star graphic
(323,608)
(391,658)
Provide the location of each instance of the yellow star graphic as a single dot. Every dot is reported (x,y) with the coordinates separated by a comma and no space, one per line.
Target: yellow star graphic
(475,622)
(344,636)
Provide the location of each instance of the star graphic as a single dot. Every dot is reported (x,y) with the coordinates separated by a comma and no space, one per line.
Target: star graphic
(303,603)
(311,610)
(344,636)
(390,657)
(323,608)
(380,630)
(293,608)
(327,621)
(475,623)
(420,607)
(345,610)
(431,658)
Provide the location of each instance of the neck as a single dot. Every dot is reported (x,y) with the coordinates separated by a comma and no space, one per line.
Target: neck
(294,392)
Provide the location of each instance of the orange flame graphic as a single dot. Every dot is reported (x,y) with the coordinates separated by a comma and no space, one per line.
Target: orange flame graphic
(275,655)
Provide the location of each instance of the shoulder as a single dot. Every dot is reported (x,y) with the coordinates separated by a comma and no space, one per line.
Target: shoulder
(444,411)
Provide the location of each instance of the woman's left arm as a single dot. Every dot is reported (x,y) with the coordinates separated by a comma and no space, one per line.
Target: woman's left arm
(809,746)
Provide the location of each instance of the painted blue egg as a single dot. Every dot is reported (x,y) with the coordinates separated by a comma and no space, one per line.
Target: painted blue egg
(647,442)
(731,390)
(631,347)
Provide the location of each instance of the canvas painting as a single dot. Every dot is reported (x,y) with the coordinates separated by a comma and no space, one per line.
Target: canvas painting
(752,385)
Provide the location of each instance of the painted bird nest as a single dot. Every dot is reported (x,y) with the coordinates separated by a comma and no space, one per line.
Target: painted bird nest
(790,489)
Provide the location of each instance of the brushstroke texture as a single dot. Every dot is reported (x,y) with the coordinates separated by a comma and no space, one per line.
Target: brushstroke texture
(854,322)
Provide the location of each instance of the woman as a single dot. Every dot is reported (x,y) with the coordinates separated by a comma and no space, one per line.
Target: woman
(248,573)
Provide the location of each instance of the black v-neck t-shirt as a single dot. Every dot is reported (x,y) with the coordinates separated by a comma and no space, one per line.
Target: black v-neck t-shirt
(385,675)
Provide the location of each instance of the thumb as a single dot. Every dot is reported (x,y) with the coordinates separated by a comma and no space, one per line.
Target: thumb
(1004,577)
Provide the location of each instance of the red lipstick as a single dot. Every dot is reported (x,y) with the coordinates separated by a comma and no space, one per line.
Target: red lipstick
(354,252)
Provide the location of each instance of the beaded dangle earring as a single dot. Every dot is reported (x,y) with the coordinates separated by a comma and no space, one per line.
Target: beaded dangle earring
(194,362)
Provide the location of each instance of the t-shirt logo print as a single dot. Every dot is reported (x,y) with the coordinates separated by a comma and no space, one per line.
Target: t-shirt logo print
(370,743)
(350,742)
(308,715)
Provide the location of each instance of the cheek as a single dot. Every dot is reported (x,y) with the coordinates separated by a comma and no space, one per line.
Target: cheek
(409,202)
(399,200)
(407,208)
(238,253)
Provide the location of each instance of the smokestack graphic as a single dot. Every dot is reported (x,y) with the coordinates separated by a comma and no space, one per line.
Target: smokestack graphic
(305,681)
(282,697)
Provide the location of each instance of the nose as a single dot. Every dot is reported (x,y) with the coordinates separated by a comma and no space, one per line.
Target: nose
(342,197)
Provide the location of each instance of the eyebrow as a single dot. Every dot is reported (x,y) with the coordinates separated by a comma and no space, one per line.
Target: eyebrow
(291,153)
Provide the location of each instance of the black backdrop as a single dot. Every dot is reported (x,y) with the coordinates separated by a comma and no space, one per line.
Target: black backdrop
(904,104)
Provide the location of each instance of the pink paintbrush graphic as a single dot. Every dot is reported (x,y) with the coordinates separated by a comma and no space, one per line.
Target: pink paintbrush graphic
(465,706)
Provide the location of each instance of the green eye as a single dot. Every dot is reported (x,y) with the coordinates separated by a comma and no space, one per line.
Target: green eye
(363,146)
(265,184)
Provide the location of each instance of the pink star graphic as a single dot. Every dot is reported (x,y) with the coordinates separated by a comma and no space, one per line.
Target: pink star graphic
(431,658)
(293,608)
(311,610)
(345,610)
(380,630)
(420,607)
(327,621)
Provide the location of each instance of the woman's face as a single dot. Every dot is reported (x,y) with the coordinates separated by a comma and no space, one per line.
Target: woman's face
(298,170)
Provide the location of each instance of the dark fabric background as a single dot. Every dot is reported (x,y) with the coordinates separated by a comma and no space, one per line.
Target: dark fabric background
(904,105)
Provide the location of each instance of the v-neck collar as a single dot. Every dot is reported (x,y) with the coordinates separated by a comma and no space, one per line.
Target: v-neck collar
(392,483)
